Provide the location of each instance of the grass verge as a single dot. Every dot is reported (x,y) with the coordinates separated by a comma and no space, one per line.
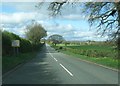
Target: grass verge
(106,61)
(103,61)
(9,62)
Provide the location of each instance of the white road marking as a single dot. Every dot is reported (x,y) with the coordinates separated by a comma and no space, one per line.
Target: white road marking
(60,64)
(55,59)
(52,56)
(66,69)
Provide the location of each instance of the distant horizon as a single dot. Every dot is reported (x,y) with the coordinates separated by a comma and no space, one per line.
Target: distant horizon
(61,35)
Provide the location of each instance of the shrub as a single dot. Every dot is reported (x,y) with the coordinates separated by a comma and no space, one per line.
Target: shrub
(60,47)
(7,38)
(25,45)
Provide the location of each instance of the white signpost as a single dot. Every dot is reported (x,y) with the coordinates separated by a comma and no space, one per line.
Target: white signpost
(15,45)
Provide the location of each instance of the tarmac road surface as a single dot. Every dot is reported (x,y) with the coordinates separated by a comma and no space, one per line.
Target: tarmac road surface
(52,67)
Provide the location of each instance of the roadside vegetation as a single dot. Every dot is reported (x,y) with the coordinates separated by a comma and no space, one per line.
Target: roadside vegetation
(104,16)
(99,52)
(10,62)
(28,49)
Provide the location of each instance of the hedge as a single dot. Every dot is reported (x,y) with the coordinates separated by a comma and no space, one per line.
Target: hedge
(25,45)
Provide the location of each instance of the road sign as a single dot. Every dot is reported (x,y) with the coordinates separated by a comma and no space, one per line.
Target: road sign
(15,43)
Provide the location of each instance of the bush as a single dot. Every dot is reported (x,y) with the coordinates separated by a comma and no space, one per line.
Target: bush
(60,47)
(7,38)
(25,45)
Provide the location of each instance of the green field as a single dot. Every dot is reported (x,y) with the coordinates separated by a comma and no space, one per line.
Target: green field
(93,47)
(101,54)
(92,50)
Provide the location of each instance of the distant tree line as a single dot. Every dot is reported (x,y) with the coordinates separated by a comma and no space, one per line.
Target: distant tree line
(105,16)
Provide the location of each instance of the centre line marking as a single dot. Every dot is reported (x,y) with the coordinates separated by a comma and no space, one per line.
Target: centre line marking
(60,64)
(52,55)
(55,59)
(66,69)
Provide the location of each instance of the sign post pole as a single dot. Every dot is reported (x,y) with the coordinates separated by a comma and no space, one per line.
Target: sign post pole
(14,51)
(17,50)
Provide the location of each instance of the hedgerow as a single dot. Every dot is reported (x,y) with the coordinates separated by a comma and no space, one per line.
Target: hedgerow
(25,45)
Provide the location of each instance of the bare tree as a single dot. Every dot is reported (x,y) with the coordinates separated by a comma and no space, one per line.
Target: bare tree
(105,15)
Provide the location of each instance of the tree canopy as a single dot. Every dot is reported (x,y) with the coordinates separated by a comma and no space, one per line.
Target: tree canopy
(35,32)
(56,39)
(104,15)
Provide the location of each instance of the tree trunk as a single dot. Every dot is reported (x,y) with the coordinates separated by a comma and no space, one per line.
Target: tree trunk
(118,40)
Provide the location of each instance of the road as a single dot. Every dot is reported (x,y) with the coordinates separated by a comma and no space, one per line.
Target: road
(52,67)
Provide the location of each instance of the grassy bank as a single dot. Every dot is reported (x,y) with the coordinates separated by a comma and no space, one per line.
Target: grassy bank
(9,62)
(103,61)
(92,53)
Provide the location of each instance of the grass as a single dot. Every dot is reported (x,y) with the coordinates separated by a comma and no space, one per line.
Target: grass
(90,47)
(9,62)
(106,59)
(93,50)
(103,61)
(99,48)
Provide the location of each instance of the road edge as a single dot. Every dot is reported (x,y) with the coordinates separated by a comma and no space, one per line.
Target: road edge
(15,68)
(90,62)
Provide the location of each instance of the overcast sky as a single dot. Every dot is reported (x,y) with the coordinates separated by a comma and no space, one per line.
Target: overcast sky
(72,25)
